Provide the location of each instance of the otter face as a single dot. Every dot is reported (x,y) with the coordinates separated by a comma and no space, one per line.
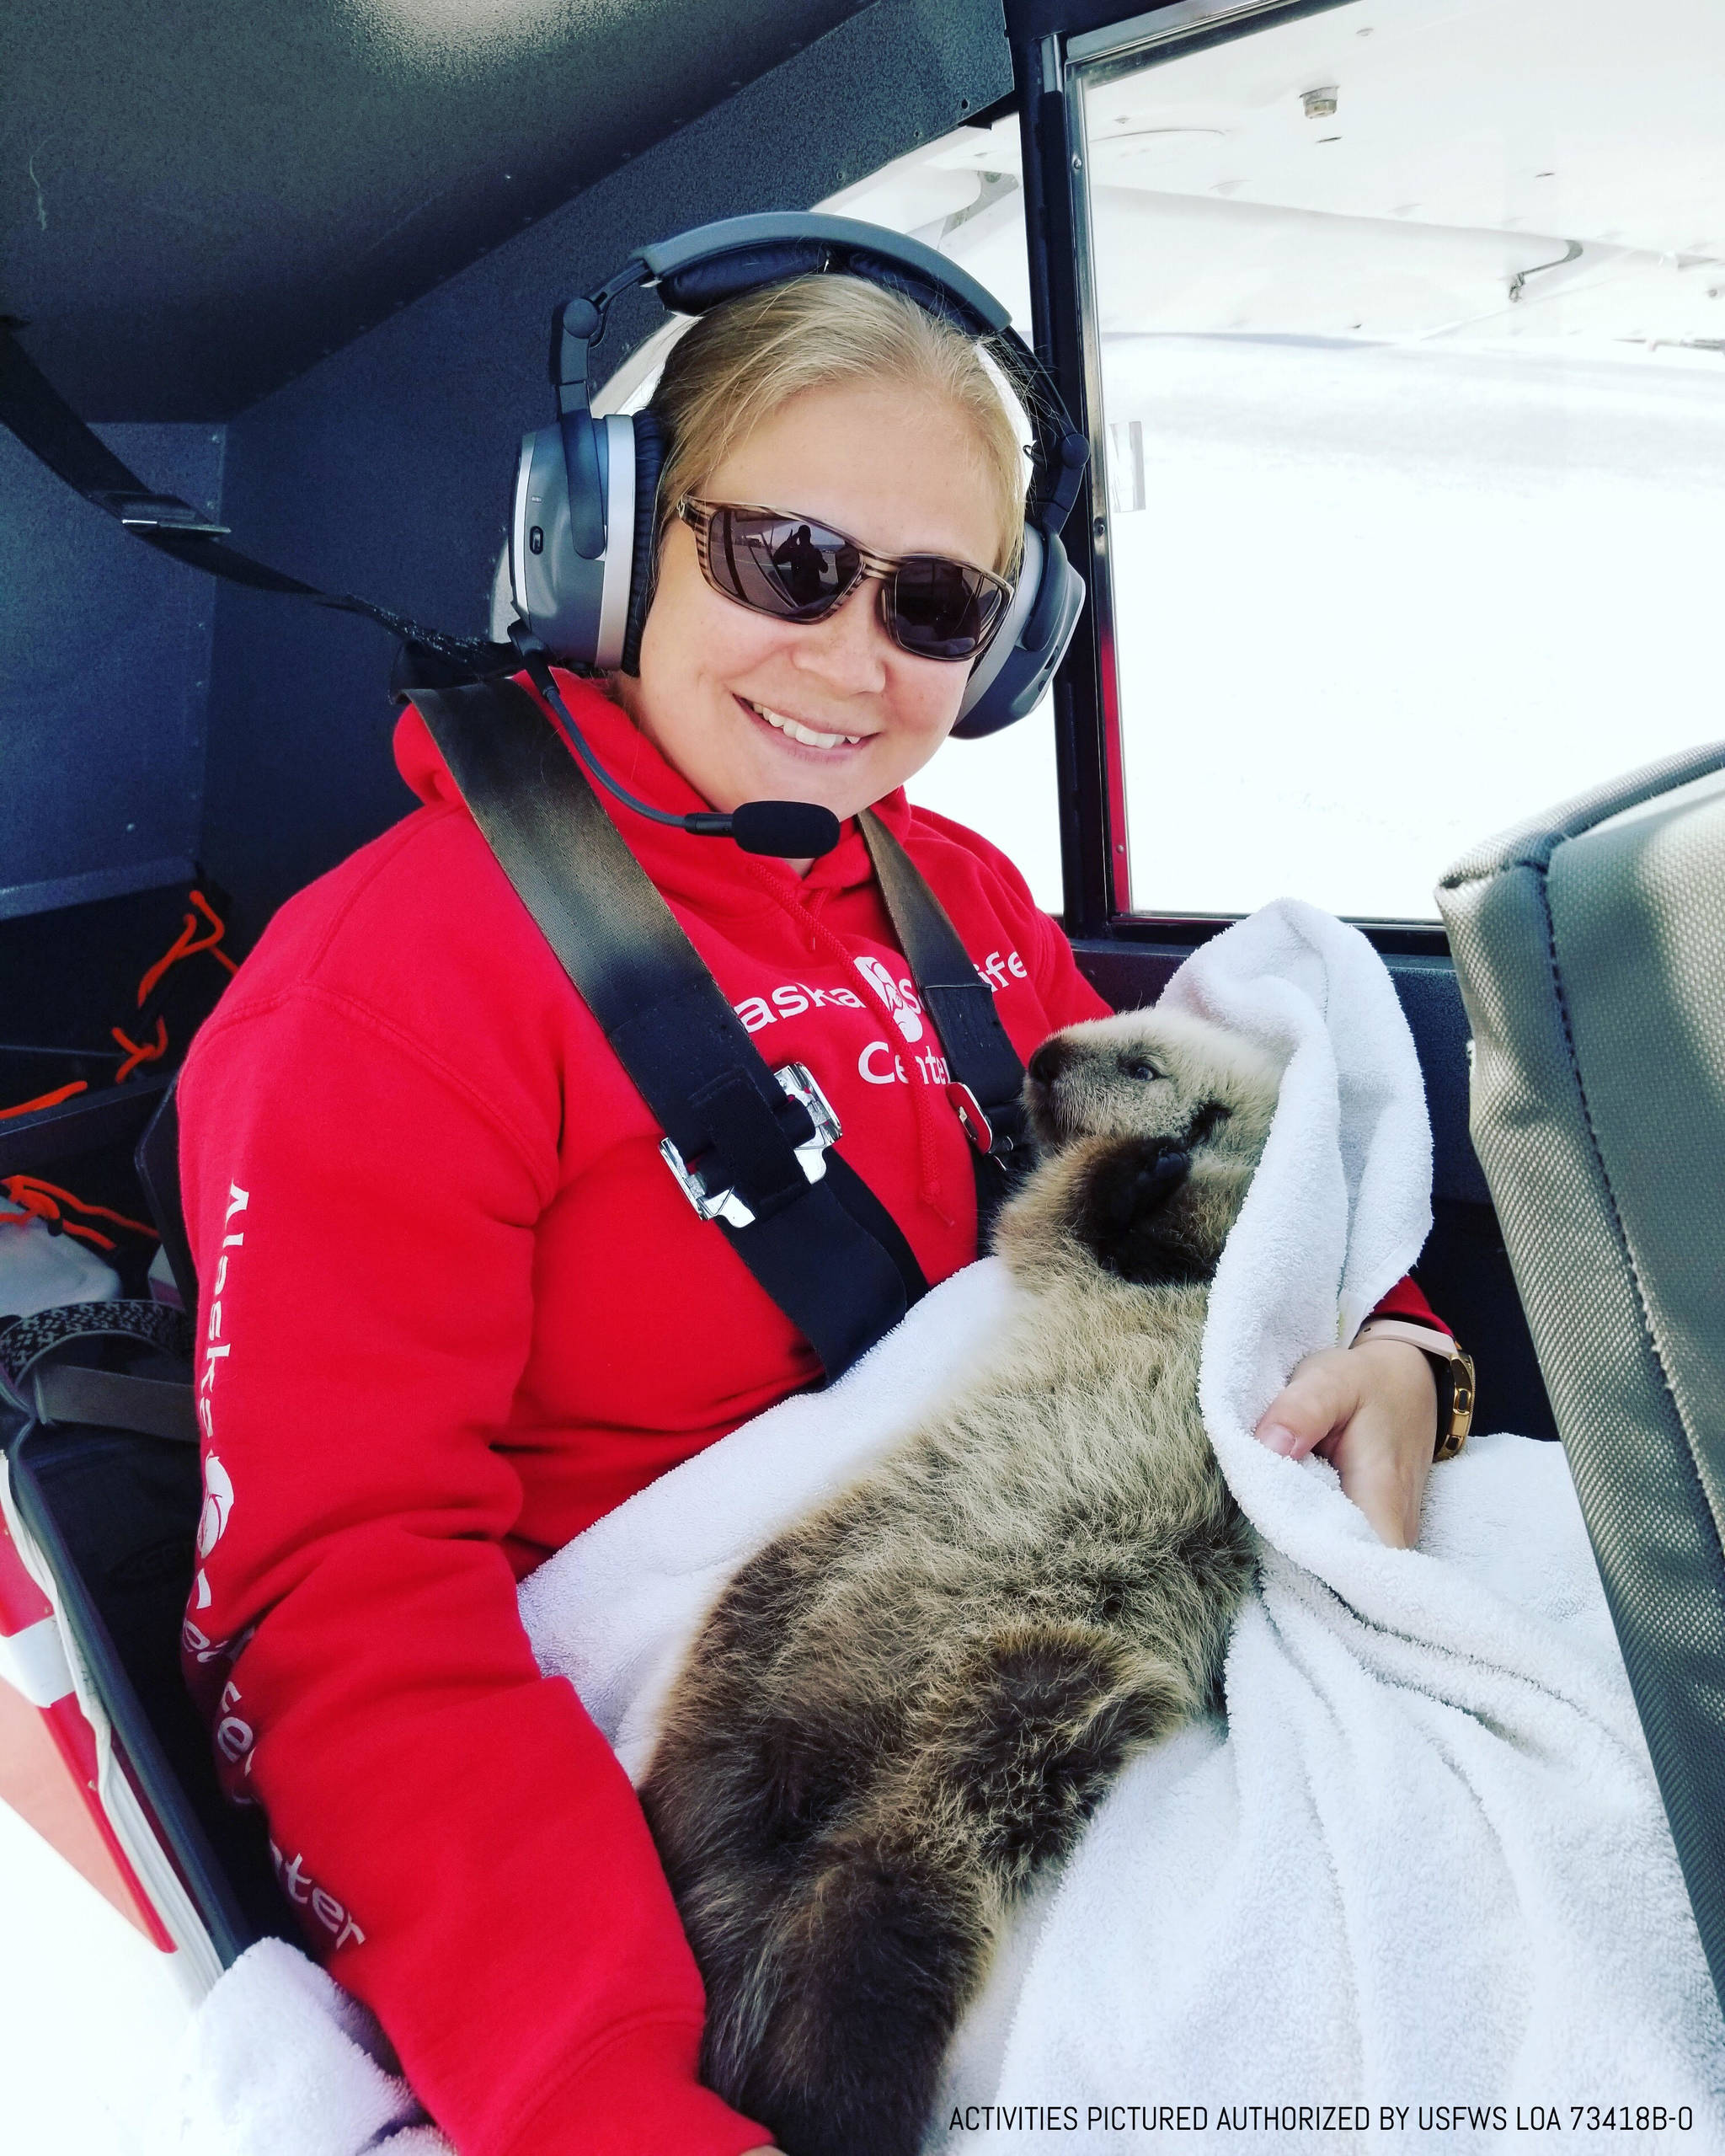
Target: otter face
(1150,1124)
(1151,1074)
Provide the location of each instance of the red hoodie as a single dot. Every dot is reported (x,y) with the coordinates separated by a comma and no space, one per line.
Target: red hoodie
(454,1309)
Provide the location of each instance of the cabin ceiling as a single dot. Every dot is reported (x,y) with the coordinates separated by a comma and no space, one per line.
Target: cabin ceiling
(199,199)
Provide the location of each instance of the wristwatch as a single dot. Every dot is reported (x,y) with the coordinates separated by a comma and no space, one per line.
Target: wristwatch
(1453,1370)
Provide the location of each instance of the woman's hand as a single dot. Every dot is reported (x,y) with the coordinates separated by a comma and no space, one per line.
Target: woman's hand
(1372,1410)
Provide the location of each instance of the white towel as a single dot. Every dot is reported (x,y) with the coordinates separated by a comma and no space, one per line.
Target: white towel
(279,2061)
(1423,1865)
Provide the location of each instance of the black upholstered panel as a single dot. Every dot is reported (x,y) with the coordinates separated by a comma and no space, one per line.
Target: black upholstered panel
(104,663)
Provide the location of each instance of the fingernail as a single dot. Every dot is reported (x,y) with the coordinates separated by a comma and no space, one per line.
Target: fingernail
(1280,1438)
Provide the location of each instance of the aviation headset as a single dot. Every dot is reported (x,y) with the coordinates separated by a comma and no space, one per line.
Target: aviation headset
(581,535)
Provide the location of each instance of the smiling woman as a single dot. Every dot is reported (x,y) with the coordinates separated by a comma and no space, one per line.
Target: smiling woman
(462,1228)
(859,411)
(452,1344)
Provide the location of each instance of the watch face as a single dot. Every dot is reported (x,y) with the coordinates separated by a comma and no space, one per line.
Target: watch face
(1461,1400)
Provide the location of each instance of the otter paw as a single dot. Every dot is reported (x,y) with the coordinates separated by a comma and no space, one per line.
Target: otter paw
(1123,1220)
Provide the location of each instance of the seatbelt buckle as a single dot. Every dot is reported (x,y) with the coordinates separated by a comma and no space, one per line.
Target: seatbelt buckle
(799,1082)
(990,1142)
(710,1205)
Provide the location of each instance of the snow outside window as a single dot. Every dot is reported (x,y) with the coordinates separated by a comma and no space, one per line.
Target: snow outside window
(1409,326)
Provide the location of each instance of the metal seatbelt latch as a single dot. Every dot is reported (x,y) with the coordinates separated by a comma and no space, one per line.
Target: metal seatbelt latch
(796,1080)
(981,1133)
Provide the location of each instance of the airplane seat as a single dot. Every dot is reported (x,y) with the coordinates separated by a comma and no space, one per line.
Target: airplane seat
(101,1465)
(1590,944)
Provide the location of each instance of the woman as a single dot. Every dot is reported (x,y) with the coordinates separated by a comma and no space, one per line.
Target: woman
(457,1308)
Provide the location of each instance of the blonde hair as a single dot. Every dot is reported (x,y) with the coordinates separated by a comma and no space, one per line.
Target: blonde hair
(748,357)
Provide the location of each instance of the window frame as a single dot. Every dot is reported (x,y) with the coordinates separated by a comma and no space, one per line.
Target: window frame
(1056,44)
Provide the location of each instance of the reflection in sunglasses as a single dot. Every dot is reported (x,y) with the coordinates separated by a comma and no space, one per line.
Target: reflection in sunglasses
(796,569)
(807,571)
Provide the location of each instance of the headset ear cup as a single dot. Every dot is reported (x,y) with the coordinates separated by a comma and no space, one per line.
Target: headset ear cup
(1031,643)
(649,455)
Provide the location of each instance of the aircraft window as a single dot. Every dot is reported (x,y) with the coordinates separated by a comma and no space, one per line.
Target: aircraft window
(1406,339)
(961,195)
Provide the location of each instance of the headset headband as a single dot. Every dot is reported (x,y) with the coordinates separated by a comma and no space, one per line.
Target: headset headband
(698,270)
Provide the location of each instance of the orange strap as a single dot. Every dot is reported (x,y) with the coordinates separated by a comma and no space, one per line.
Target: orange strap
(184,945)
(148,1052)
(188,941)
(47,1200)
(45,1099)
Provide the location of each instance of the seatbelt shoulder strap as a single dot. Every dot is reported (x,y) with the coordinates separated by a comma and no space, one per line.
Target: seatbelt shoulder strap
(819,1243)
(984,1065)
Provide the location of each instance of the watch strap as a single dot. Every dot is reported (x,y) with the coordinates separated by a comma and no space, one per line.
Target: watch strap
(1454,1371)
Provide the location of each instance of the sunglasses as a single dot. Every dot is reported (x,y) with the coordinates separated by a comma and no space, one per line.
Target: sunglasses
(797,570)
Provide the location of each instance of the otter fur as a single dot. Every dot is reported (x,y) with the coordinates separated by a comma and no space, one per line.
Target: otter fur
(910,1701)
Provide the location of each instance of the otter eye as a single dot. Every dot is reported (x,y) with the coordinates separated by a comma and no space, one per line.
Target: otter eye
(1141,1068)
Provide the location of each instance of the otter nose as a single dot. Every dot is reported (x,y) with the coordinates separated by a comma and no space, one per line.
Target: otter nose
(1050,1061)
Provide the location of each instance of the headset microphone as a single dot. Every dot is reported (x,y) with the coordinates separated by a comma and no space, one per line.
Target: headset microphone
(792,831)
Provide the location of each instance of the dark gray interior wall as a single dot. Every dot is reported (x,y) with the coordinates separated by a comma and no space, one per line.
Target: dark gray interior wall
(105,671)
(387,469)
(198,201)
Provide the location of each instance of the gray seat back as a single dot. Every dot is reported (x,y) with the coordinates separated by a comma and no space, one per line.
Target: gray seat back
(1590,948)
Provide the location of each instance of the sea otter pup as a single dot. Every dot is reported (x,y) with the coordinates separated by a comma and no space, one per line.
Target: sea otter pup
(909,1702)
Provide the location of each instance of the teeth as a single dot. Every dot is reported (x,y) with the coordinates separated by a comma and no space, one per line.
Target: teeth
(806,734)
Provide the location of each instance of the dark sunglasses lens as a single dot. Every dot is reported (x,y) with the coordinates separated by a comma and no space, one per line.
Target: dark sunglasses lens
(782,565)
(942,609)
